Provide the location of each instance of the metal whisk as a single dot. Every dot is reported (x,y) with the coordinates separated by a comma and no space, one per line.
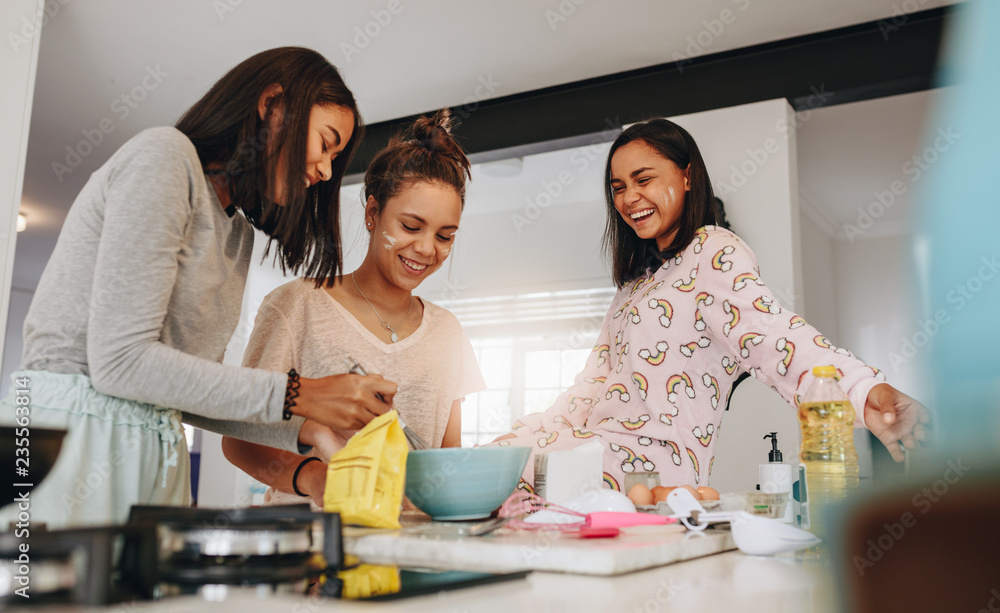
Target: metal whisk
(412,437)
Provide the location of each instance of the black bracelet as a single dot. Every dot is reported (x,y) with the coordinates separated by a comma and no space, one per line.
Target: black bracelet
(295,476)
(291,393)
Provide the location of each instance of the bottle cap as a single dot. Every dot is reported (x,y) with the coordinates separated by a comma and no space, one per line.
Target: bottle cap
(774,455)
(824,371)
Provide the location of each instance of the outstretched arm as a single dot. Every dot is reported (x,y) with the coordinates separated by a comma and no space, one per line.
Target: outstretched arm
(896,419)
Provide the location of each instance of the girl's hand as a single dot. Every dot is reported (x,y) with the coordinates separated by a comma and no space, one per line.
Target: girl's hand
(319,437)
(344,402)
(896,419)
(312,481)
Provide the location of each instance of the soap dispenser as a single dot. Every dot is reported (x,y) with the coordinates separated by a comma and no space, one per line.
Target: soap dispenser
(775,477)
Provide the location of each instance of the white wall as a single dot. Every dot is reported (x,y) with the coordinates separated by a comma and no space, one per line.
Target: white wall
(20,300)
(875,310)
(20,21)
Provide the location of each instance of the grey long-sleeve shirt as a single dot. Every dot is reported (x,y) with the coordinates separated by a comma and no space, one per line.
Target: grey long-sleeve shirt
(142,293)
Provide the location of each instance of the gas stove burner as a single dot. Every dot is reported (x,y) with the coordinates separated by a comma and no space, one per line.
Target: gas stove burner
(278,545)
(164,551)
(79,565)
(193,543)
(270,570)
(48,577)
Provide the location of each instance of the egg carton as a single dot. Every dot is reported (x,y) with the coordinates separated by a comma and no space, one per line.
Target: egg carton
(750,502)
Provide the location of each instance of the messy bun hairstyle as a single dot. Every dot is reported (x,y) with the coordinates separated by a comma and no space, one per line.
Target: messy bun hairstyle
(427,152)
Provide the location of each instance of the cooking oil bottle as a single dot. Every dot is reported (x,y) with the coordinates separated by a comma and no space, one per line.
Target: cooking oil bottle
(827,419)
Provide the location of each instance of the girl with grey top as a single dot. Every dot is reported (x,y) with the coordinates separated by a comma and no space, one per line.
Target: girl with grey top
(131,318)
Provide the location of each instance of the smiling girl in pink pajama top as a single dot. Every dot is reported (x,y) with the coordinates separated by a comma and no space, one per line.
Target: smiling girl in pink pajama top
(682,327)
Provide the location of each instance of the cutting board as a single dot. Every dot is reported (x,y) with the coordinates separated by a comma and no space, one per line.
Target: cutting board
(438,545)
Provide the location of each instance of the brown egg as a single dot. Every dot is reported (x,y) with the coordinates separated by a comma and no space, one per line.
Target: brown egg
(660,493)
(693,491)
(708,493)
(640,495)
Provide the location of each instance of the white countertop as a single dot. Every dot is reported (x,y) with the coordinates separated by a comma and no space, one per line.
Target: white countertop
(725,582)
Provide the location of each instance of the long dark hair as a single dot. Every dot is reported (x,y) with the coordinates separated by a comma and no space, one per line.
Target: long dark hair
(630,254)
(234,142)
(427,153)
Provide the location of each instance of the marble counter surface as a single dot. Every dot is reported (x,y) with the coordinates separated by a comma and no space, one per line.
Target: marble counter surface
(438,545)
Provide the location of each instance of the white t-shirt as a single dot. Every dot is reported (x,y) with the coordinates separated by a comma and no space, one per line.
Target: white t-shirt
(299,326)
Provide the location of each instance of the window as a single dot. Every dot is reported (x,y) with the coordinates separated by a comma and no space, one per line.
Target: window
(529,360)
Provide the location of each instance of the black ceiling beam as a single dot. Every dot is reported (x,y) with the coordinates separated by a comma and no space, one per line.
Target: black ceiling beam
(880,58)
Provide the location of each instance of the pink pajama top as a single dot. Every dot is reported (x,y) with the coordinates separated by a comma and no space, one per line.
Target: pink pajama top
(654,388)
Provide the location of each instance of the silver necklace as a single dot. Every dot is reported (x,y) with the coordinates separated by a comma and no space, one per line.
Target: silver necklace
(392,329)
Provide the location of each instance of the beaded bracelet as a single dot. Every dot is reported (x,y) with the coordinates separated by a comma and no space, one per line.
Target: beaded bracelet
(291,393)
(295,475)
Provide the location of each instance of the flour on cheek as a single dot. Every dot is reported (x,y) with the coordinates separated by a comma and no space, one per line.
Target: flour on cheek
(390,241)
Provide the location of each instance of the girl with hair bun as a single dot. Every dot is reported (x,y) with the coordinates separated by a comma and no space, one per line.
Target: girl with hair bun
(414,196)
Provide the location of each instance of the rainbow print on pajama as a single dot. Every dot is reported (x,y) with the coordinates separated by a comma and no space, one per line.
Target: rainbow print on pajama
(603,351)
(655,360)
(750,338)
(699,323)
(668,311)
(652,288)
(622,309)
(686,286)
(583,434)
(796,322)
(734,317)
(611,483)
(641,383)
(704,437)
(620,389)
(668,417)
(766,305)
(687,349)
(703,298)
(712,384)
(676,381)
(634,424)
(742,279)
(697,467)
(633,314)
(621,352)
(719,263)
(675,452)
(729,365)
(629,463)
(788,347)
(545,441)
(700,236)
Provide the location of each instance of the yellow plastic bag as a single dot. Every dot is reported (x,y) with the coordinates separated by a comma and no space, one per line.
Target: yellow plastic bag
(366,580)
(365,479)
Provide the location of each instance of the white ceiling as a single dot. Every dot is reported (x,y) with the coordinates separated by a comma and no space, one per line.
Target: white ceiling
(427,55)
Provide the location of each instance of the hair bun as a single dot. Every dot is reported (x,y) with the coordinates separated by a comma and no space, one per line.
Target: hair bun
(433,133)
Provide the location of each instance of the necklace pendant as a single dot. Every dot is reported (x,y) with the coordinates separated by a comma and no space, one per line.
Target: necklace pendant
(394,338)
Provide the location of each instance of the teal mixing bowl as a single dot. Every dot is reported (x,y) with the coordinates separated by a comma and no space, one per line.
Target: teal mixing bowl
(463,483)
